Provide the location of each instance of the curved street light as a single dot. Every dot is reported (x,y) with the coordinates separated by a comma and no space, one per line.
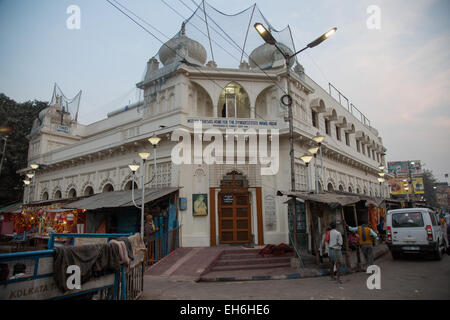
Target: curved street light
(154,140)
(306,158)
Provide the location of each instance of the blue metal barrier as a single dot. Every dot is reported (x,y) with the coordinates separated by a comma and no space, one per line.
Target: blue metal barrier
(28,286)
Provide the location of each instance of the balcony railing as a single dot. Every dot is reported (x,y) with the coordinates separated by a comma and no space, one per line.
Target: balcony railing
(343,101)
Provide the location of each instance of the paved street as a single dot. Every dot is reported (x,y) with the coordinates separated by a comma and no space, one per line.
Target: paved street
(409,278)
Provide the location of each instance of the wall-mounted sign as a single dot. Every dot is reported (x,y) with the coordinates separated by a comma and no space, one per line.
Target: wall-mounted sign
(228,199)
(200,205)
(61,128)
(183,203)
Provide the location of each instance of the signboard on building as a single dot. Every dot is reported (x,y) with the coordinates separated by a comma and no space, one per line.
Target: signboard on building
(400,169)
(64,129)
(398,186)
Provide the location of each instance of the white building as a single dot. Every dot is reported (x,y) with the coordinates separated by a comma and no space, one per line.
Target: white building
(181,88)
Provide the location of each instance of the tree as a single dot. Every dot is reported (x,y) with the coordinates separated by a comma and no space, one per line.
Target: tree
(430,192)
(18,117)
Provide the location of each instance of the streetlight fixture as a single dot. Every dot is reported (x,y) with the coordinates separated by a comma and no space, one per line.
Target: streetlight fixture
(306,158)
(30,175)
(313,151)
(34,166)
(154,140)
(134,167)
(319,139)
(287,99)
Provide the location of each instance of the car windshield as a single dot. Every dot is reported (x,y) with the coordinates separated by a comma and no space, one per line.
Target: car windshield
(407,220)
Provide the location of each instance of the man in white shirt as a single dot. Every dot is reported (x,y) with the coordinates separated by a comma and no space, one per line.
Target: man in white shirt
(335,252)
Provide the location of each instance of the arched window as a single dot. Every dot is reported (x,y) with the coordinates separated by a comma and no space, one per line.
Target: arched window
(350,189)
(330,187)
(72,193)
(341,188)
(45,196)
(89,191)
(234,102)
(108,188)
(58,194)
(358,191)
(129,185)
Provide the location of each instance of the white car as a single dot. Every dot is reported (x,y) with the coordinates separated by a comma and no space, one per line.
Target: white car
(415,230)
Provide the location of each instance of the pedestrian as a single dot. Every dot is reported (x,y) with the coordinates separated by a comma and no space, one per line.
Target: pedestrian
(326,241)
(335,252)
(149,230)
(365,241)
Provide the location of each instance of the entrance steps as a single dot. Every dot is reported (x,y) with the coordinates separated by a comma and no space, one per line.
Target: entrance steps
(248,259)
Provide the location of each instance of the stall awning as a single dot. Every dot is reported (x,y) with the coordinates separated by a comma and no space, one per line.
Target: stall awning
(117,199)
(336,198)
(12,208)
(331,199)
(374,201)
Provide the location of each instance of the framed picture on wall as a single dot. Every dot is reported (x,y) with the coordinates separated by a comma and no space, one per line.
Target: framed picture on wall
(200,204)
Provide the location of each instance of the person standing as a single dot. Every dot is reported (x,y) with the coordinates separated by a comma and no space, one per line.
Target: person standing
(365,241)
(149,230)
(335,251)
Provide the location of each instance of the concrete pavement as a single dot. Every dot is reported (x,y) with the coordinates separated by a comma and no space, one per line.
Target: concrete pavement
(408,278)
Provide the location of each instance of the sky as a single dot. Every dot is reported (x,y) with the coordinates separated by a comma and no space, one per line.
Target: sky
(397,75)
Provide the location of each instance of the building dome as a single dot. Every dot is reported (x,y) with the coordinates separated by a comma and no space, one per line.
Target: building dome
(267,56)
(182,47)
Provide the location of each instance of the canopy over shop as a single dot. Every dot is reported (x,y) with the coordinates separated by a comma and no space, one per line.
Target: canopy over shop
(6,220)
(115,212)
(315,212)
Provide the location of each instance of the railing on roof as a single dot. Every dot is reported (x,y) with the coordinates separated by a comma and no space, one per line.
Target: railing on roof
(350,106)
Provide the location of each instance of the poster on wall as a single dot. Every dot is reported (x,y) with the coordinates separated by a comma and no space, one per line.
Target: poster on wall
(400,168)
(200,204)
(398,188)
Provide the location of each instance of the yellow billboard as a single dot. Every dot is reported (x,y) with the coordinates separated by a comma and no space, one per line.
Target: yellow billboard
(398,186)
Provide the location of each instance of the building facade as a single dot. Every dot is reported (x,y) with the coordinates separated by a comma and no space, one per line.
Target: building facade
(229,202)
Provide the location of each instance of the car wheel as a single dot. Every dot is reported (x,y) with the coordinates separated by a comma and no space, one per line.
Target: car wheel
(395,255)
(438,253)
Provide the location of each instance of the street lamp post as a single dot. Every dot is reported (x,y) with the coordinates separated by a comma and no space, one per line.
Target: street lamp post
(287,99)
(319,139)
(5,139)
(306,158)
(313,151)
(134,167)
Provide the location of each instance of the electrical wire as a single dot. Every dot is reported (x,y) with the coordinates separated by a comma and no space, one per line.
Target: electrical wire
(233,43)
(164,44)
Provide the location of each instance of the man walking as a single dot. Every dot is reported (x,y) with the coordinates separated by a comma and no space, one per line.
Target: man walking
(365,241)
(335,252)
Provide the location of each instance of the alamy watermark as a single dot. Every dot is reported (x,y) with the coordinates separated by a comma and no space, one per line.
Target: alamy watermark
(74,280)
(374,281)
(73,22)
(374,20)
(224,150)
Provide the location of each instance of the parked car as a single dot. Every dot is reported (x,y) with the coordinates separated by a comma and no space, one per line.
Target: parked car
(415,230)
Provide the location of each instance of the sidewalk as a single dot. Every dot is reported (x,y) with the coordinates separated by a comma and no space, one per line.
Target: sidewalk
(310,270)
(195,264)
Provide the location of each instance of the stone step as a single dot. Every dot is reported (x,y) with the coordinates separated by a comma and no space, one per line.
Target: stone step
(234,256)
(250,266)
(241,251)
(252,261)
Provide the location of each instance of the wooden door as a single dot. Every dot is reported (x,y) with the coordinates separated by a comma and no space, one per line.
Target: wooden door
(234,217)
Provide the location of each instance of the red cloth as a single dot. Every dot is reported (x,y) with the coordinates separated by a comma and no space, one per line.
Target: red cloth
(327,237)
